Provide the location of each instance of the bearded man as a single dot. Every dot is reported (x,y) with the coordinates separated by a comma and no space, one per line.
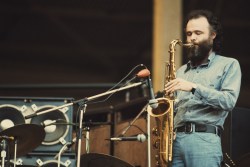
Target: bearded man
(206,90)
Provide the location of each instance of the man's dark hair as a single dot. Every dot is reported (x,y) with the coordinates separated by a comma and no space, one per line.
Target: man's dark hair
(214,24)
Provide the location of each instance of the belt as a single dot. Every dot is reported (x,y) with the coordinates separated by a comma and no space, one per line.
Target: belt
(190,127)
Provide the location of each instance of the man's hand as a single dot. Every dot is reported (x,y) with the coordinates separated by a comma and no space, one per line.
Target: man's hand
(179,84)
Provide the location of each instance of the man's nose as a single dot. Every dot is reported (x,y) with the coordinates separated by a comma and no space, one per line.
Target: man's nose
(193,37)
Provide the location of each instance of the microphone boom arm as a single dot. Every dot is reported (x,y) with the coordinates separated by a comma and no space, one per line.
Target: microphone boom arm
(85,99)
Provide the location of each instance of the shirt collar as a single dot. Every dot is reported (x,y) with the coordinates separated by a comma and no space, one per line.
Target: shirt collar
(207,64)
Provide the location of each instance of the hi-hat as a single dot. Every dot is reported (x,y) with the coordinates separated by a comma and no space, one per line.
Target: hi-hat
(27,136)
(102,160)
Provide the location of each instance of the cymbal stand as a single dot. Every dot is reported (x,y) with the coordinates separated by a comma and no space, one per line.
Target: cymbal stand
(3,151)
(4,147)
(15,153)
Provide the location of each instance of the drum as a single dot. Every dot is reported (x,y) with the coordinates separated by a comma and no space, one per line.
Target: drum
(102,160)
(244,161)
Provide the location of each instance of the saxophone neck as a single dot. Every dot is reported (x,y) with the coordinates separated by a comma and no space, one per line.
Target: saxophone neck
(179,42)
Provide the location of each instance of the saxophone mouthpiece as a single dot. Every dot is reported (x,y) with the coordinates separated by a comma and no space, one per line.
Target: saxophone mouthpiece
(188,45)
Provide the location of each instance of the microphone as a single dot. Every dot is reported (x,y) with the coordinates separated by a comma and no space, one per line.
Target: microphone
(139,137)
(141,74)
(152,102)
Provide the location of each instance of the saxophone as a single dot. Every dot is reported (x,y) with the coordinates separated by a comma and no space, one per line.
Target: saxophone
(163,133)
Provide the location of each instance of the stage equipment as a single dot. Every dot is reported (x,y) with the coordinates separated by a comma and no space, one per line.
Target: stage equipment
(239,137)
(11,115)
(19,140)
(243,161)
(102,160)
(14,109)
(27,137)
(163,113)
(139,137)
(23,166)
(83,105)
(58,130)
(47,160)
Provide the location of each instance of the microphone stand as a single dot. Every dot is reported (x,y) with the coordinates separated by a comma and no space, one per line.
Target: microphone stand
(85,100)
(133,121)
(87,145)
(148,132)
(82,111)
(149,139)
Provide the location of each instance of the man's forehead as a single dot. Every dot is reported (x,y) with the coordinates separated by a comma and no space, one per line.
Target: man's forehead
(198,24)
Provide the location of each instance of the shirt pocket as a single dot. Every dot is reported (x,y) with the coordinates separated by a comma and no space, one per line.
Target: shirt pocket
(211,81)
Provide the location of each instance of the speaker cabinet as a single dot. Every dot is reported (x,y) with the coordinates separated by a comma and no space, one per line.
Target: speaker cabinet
(235,138)
(14,109)
(47,160)
(240,132)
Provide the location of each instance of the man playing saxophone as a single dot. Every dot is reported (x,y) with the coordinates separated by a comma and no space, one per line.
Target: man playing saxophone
(206,90)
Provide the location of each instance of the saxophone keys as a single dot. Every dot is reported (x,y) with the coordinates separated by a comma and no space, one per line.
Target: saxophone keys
(156,144)
(155,131)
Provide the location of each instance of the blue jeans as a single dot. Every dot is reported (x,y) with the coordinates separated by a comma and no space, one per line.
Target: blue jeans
(197,149)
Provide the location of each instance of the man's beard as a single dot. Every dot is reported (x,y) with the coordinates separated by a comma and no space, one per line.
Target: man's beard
(200,51)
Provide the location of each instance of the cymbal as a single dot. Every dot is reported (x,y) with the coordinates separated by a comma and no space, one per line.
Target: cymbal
(101,160)
(28,137)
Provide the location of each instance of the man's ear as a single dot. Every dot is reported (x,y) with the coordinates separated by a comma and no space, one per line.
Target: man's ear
(213,35)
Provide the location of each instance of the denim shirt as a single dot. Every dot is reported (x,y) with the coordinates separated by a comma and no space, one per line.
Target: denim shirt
(218,86)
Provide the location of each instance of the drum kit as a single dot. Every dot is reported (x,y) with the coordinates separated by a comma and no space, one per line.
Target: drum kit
(21,139)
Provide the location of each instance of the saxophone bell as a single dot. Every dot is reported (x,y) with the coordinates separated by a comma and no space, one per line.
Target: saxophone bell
(162,108)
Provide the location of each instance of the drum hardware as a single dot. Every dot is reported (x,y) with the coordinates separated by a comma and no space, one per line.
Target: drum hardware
(102,160)
(4,148)
(227,161)
(19,140)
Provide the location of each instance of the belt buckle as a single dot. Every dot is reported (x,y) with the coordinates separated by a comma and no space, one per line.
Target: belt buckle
(189,127)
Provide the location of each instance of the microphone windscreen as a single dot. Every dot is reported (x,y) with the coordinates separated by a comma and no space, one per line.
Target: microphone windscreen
(141,137)
(143,73)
